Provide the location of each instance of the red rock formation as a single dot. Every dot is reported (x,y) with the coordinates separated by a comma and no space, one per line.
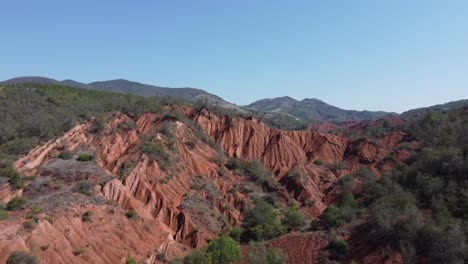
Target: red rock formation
(107,239)
(163,194)
(71,140)
(282,151)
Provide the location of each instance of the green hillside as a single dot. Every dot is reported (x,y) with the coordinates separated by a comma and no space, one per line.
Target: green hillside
(32,113)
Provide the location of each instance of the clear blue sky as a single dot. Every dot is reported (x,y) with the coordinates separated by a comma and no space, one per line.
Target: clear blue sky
(388,55)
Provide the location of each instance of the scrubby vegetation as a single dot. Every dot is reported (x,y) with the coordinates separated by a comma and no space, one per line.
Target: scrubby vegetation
(262,253)
(85,187)
(87,216)
(131,214)
(16,203)
(294,219)
(78,251)
(14,177)
(20,257)
(282,121)
(261,222)
(420,208)
(435,180)
(85,157)
(255,170)
(130,259)
(337,248)
(65,155)
(34,210)
(156,150)
(3,213)
(219,251)
(38,112)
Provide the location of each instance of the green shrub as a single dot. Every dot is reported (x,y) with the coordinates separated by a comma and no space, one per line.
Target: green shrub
(294,219)
(85,187)
(50,218)
(34,210)
(156,151)
(87,216)
(294,175)
(220,156)
(318,162)
(127,125)
(255,170)
(191,144)
(235,234)
(162,257)
(234,189)
(97,125)
(442,245)
(235,164)
(338,166)
(168,129)
(261,222)
(131,214)
(65,155)
(308,202)
(198,256)
(14,176)
(78,251)
(3,214)
(396,217)
(16,203)
(337,216)
(130,259)
(346,198)
(337,248)
(332,217)
(29,224)
(314,224)
(85,157)
(20,257)
(224,250)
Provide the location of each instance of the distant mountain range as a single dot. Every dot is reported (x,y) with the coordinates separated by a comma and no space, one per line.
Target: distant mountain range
(311,110)
(281,108)
(125,86)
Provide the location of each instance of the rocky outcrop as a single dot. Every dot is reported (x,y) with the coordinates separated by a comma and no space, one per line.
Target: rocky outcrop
(71,140)
(283,150)
(108,238)
(322,157)
(161,167)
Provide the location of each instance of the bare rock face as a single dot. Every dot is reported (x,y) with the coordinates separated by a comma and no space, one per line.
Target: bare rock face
(71,140)
(160,168)
(108,238)
(282,151)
